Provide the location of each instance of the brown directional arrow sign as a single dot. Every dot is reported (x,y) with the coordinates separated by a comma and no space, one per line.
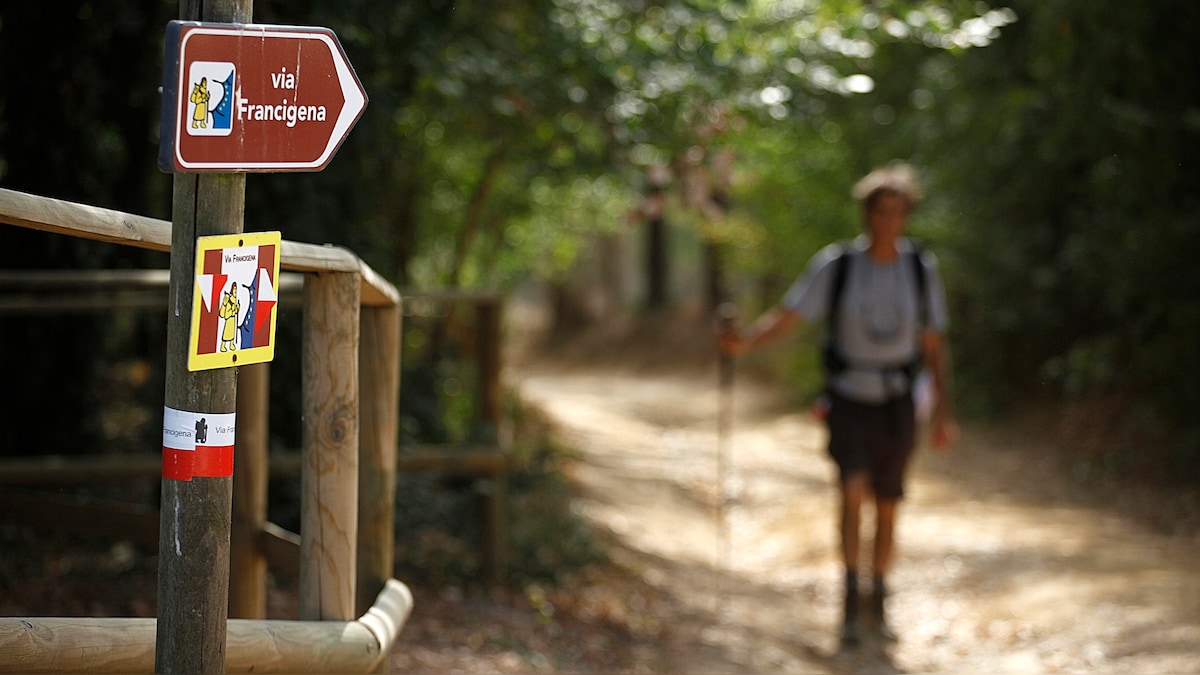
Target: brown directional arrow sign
(246,97)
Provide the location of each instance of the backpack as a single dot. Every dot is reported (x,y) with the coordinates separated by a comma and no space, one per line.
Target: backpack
(832,358)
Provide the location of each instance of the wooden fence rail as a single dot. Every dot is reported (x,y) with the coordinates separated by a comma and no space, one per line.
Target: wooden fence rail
(101,645)
(115,227)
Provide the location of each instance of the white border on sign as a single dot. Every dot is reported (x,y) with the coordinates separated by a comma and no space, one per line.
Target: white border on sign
(355,97)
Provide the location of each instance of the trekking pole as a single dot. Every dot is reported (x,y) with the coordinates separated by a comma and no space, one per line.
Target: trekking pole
(726,321)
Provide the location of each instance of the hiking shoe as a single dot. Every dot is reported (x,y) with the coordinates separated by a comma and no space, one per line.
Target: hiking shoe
(878,617)
(851,636)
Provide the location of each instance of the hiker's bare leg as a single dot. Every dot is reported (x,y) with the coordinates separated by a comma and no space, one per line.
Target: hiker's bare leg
(885,544)
(885,535)
(854,491)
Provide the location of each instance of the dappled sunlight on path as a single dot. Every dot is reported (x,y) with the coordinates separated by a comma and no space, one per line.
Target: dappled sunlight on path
(1002,568)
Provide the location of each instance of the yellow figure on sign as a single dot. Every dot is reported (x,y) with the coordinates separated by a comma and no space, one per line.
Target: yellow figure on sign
(200,97)
(229,312)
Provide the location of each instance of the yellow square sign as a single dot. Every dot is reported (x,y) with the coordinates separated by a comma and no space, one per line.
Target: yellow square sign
(233,311)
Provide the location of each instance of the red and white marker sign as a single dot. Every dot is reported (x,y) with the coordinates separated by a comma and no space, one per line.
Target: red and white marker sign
(197,444)
(248,97)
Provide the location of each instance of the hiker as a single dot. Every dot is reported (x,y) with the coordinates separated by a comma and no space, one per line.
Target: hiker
(886,311)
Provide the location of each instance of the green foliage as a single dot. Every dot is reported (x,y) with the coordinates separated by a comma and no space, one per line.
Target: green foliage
(439,538)
(1069,157)
(561,223)
(439,378)
(549,538)
(472,105)
(794,190)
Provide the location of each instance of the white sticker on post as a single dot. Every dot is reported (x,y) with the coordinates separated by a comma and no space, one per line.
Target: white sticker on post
(197,444)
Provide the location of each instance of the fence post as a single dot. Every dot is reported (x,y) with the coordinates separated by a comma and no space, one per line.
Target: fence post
(247,562)
(379,387)
(329,452)
(489,396)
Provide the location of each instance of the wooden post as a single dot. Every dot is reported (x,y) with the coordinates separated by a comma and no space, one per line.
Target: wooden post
(379,387)
(489,395)
(247,560)
(329,452)
(194,523)
(489,399)
(495,520)
(379,394)
(193,549)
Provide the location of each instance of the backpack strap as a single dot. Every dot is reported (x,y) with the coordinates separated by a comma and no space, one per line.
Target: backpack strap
(922,289)
(923,320)
(833,361)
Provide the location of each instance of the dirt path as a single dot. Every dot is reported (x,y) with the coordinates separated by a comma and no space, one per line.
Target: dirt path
(1004,565)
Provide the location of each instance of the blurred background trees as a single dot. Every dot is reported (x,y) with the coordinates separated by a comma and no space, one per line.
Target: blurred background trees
(541,139)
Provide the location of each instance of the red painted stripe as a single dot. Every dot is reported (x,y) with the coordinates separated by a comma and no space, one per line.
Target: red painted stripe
(178,464)
(213,461)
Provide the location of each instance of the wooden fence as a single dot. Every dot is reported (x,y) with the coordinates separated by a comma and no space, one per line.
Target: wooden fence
(346,545)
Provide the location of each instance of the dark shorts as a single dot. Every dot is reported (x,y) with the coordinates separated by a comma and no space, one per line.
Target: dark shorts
(875,439)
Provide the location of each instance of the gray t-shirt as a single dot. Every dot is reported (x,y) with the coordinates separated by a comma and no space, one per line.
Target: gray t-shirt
(879,324)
